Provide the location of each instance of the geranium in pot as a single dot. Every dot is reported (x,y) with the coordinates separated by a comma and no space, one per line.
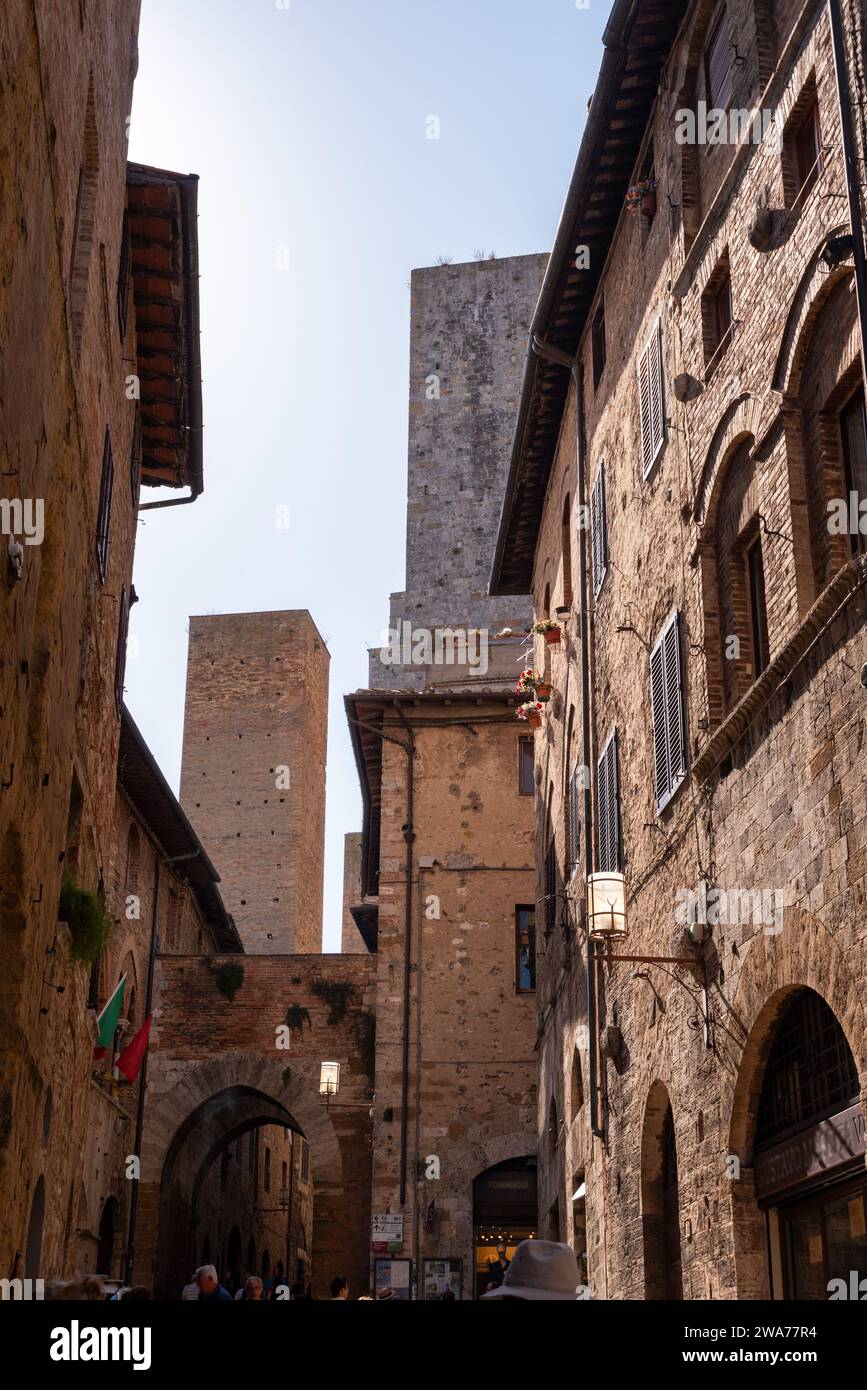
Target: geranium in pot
(531,713)
(548,629)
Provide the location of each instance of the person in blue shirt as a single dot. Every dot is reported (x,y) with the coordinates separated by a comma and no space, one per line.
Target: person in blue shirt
(210,1288)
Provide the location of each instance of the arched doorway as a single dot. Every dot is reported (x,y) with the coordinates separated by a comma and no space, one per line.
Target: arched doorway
(808,1153)
(234,1274)
(105,1248)
(33,1249)
(660,1199)
(504,1214)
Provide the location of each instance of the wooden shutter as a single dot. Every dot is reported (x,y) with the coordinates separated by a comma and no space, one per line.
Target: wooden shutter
(120,656)
(103,523)
(718,64)
(666,701)
(598,532)
(650,400)
(608,809)
(574,815)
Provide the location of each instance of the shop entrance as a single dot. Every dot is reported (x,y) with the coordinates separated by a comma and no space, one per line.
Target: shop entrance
(504,1214)
(823,1239)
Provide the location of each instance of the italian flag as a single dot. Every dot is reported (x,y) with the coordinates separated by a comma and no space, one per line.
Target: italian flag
(107,1021)
(131,1058)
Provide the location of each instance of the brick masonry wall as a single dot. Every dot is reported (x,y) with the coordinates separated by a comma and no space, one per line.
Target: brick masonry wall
(472,1068)
(59,622)
(784,806)
(215,1066)
(257,701)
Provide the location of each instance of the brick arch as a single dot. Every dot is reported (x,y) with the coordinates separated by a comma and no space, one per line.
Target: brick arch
(805,956)
(264,1097)
(815,285)
(741,419)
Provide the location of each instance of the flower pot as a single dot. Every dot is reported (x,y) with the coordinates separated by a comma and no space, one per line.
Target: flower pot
(543,691)
(552,636)
(648,204)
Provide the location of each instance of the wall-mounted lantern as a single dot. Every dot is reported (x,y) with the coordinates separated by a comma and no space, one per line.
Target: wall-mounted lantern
(329,1079)
(606,907)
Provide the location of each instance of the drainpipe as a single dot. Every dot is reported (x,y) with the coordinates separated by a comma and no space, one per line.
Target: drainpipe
(409,837)
(142,1085)
(543,349)
(850,160)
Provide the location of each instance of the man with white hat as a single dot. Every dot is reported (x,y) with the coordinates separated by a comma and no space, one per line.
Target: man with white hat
(542,1270)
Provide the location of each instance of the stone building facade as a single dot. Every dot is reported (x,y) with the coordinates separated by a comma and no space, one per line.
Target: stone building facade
(252,777)
(444,879)
(692,407)
(101,391)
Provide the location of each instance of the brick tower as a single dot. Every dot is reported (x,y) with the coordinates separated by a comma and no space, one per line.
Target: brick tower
(253,773)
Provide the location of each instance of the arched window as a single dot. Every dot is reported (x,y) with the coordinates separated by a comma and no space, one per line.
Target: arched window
(566,546)
(810,1072)
(660,1201)
(576,1089)
(546,602)
(133,859)
(740,577)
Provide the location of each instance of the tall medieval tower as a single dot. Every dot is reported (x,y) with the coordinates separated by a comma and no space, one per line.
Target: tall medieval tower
(253,772)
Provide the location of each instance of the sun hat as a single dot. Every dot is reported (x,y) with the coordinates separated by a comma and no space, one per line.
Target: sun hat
(540,1269)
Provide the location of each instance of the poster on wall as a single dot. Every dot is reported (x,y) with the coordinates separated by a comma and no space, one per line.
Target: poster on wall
(441,1278)
(392,1279)
(386,1233)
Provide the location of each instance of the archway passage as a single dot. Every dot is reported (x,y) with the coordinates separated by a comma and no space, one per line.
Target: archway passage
(810,1183)
(660,1199)
(504,1214)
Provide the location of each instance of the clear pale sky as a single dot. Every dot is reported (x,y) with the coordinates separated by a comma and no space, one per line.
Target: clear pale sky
(306,123)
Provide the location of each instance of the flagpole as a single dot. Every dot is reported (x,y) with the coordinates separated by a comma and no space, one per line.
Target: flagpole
(143,1076)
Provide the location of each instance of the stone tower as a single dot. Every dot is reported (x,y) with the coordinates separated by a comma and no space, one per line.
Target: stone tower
(468,339)
(253,773)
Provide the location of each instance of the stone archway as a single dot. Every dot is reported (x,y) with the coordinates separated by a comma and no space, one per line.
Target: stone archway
(805,956)
(660,1206)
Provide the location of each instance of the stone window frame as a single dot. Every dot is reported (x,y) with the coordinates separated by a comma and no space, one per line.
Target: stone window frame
(652,422)
(716,343)
(668,712)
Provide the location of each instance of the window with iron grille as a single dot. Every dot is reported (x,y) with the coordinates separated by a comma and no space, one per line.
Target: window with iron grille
(667,708)
(120,656)
(103,521)
(608,808)
(718,63)
(810,1071)
(598,532)
(650,400)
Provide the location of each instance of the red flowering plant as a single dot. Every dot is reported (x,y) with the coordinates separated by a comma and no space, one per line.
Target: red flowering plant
(531,711)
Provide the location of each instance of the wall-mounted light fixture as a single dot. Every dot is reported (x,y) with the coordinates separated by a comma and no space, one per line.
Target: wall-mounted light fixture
(329,1079)
(606,907)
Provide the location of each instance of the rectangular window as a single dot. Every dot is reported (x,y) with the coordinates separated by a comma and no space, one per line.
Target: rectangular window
(597,342)
(758,608)
(853,429)
(525,949)
(120,655)
(305,1160)
(723,310)
(650,400)
(526,767)
(667,709)
(718,63)
(267,1169)
(123,277)
(103,521)
(608,808)
(284,1179)
(598,532)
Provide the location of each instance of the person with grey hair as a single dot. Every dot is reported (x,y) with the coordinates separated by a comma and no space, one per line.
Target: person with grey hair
(210,1288)
(251,1289)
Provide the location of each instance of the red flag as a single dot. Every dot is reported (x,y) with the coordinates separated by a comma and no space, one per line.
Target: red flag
(131,1058)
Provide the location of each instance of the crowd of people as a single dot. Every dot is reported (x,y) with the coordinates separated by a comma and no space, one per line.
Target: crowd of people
(539,1270)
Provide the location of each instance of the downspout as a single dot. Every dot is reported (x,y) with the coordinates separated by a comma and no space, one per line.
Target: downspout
(139,1121)
(852,181)
(409,837)
(543,349)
